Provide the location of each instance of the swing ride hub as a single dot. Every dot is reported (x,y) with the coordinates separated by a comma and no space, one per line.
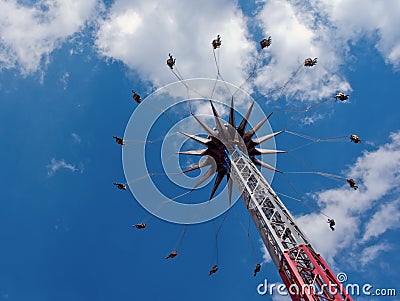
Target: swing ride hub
(223,141)
(304,272)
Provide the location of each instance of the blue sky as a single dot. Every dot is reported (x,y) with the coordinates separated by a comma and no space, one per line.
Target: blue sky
(66,73)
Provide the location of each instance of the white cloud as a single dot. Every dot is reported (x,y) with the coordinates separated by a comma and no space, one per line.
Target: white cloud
(56,165)
(324,29)
(379,20)
(266,257)
(386,218)
(369,254)
(297,33)
(299,29)
(76,138)
(378,174)
(28,34)
(64,80)
(277,297)
(312,119)
(141,34)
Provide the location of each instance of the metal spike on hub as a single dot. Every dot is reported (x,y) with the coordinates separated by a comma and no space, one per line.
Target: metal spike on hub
(225,136)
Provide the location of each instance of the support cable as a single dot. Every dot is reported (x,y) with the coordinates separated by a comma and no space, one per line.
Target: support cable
(299,197)
(153,141)
(219,72)
(309,206)
(316,139)
(216,236)
(252,73)
(289,80)
(247,233)
(180,240)
(324,174)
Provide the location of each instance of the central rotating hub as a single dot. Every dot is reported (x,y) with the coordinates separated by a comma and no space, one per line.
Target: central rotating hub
(222,141)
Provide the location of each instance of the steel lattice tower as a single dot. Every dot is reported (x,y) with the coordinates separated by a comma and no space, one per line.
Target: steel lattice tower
(231,151)
(304,272)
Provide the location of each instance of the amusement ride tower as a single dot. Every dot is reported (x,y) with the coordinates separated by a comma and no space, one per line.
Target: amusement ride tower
(231,152)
